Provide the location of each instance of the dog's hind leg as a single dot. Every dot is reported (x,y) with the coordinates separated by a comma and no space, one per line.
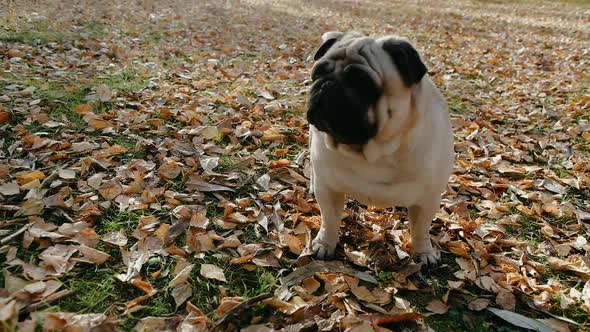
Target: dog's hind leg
(420,221)
(331,205)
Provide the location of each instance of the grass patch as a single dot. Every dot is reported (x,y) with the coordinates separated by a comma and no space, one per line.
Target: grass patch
(115,220)
(527,228)
(93,293)
(456,104)
(240,282)
(459,317)
(126,81)
(37,37)
(251,234)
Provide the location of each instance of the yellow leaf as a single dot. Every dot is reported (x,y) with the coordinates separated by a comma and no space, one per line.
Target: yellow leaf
(27,177)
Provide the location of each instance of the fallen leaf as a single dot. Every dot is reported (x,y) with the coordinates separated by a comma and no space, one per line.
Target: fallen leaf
(211,271)
(478,304)
(9,189)
(110,189)
(104,93)
(521,321)
(181,293)
(170,169)
(182,276)
(437,307)
(26,177)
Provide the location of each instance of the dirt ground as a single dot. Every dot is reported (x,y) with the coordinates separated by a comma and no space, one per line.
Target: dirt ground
(153,170)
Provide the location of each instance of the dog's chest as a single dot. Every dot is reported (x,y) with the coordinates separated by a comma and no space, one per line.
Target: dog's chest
(371,184)
(366,184)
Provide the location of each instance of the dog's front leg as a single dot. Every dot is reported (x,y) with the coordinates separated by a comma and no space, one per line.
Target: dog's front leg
(420,220)
(331,203)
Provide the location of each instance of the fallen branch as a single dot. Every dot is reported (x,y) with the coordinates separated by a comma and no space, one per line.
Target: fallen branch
(9,207)
(15,234)
(11,222)
(50,299)
(243,305)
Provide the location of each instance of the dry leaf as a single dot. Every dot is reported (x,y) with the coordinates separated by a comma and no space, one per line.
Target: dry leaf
(9,189)
(110,189)
(104,93)
(437,307)
(26,177)
(211,271)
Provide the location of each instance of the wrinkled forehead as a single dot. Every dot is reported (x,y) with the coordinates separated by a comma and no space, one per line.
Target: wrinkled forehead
(348,50)
(354,50)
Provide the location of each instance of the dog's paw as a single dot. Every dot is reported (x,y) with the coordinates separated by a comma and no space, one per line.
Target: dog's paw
(322,250)
(430,258)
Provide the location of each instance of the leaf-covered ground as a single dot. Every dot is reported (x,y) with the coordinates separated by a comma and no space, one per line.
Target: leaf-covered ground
(153,169)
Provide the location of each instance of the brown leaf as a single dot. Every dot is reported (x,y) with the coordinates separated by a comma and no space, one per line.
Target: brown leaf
(181,277)
(506,300)
(478,304)
(437,307)
(9,189)
(117,238)
(31,207)
(98,123)
(170,169)
(279,163)
(92,255)
(4,116)
(83,109)
(211,271)
(110,189)
(104,93)
(143,285)
(181,294)
(294,243)
(226,304)
(58,257)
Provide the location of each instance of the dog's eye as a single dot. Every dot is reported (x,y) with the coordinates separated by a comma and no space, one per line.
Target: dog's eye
(321,69)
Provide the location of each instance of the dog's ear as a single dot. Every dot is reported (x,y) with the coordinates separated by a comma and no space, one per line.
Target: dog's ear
(406,59)
(328,39)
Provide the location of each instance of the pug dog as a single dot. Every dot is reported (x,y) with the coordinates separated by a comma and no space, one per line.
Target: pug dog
(379,132)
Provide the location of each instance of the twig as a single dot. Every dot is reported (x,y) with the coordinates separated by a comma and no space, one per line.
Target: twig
(9,207)
(244,305)
(15,234)
(13,222)
(50,299)
(49,179)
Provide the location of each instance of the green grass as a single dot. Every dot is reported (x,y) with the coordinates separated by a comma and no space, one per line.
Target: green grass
(92,293)
(527,229)
(127,81)
(434,287)
(115,220)
(37,37)
(240,282)
(456,104)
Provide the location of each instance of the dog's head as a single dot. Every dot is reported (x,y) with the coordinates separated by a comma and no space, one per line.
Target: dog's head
(351,74)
